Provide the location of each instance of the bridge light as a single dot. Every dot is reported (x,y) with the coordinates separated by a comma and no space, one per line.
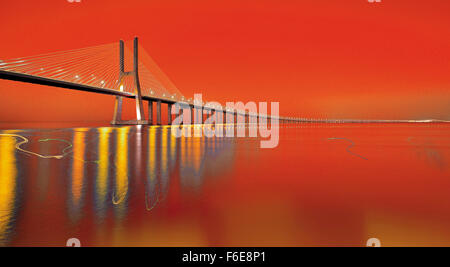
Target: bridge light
(77,77)
(121,88)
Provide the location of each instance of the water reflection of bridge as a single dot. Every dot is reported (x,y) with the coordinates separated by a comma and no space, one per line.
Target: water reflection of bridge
(107,172)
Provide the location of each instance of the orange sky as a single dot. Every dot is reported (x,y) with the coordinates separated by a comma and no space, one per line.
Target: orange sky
(319,58)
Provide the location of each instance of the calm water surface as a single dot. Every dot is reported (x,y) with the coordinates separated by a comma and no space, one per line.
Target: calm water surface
(325,184)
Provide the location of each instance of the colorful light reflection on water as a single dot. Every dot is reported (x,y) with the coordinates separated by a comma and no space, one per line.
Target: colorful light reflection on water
(325,184)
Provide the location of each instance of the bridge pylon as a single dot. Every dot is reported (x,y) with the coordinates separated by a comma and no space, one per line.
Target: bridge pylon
(140,116)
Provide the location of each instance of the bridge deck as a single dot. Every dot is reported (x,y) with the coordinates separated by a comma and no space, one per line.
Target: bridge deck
(21,77)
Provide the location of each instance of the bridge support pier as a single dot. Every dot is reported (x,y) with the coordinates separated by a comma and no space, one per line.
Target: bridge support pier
(199,115)
(189,109)
(187,115)
(150,112)
(228,117)
(204,115)
(195,115)
(219,118)
(158,112)
(169,114)
(182,115)
(117,110)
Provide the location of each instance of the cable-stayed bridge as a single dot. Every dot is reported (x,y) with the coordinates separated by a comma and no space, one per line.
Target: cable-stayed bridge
(105,69)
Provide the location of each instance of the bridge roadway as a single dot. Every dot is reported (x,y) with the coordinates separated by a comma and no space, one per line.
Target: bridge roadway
(14,76)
